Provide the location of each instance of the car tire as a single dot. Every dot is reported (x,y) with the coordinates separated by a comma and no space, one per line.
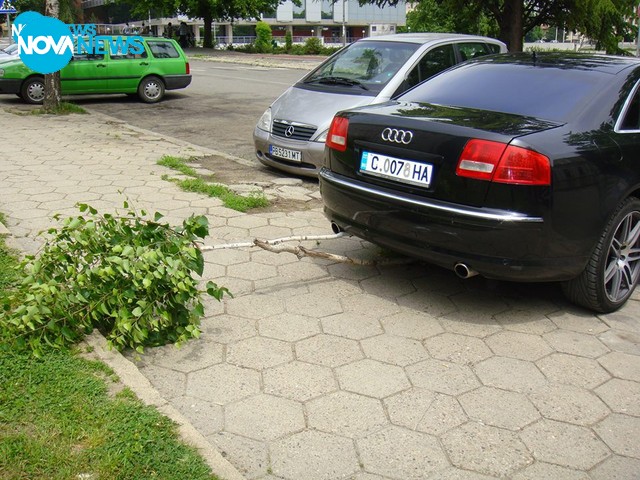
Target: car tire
(151,89)
(32,90)
(612,272)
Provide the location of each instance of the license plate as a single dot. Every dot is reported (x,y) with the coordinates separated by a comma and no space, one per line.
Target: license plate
(397,169)
(285,153)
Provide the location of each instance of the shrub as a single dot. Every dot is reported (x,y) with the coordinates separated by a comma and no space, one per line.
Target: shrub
(263,38)
(313,46)
(288,41)
(129,276)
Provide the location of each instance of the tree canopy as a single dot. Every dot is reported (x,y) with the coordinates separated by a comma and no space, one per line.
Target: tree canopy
(207,10)
(604,21)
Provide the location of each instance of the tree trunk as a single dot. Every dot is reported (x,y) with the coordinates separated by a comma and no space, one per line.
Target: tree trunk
(511,25)
(52,88)
(208,37)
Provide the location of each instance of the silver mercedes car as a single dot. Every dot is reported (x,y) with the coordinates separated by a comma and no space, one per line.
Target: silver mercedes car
(291,133)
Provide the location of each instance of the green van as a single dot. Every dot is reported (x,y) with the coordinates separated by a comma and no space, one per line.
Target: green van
(161,66)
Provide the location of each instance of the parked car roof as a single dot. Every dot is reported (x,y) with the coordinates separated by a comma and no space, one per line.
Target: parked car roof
(425,37)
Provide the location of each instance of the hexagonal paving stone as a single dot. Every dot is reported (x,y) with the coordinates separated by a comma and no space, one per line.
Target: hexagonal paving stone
(227,329)
(575,343)
(250,457)
(312,305)
(572,370)
(372,378)
(395,350)
(510,374)
(302,271)
(227,257)
(578,321)
(169,383)
(525,321)
(346,414)
(223,383)
(255,306)
(499,408)
(621,341)
(458,474)
(299,381)
(200,354)
(352,325)
(365,304)
(444,377)
(328,350)
(518,345)
(388,285)
(352,272)
(484,449)
(288,327)
(432,304)
(208,417)
(313,455)
(252,271)
(567,403)
(622,365)
(457,348)
(411,324)
(546,471)
(259,353)
(400,453)
(425,411)
(616,467)
(563,444)
(621,433)
(621,396)
(264,417)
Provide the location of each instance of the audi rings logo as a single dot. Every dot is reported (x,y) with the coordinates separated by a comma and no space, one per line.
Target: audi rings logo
(289,131)
(397,136)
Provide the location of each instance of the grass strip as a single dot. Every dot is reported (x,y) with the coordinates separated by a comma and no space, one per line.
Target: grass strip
(230,199)
(58,420)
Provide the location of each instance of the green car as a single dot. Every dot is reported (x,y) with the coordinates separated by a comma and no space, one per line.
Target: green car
(161,66)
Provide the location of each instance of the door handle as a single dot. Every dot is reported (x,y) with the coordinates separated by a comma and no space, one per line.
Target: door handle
(103,65)
(144,63)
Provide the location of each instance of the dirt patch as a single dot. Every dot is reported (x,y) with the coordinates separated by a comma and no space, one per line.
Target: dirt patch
(286,193)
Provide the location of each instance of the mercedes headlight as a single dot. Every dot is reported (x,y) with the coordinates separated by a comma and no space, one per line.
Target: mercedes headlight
(322,137)
(265,121)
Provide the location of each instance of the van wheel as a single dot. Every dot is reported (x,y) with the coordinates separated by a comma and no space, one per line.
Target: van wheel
(32,90)
(151,90)
(612,272)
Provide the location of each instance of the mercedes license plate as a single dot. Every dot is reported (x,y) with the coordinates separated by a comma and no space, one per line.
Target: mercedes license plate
(293,155)
(397,169)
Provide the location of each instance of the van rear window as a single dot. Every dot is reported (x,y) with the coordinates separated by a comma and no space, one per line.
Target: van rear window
(161,49)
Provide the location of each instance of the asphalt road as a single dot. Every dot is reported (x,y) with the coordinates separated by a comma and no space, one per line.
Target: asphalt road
(218,110)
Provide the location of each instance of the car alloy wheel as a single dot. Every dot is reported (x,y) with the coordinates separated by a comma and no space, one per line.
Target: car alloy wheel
(612,272)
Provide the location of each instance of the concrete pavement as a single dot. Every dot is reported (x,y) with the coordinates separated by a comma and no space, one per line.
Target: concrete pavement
(319,370)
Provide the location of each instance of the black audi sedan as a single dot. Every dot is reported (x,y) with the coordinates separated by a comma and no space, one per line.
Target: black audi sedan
(520,167)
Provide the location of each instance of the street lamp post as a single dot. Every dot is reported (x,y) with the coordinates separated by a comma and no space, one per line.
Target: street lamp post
(344,23)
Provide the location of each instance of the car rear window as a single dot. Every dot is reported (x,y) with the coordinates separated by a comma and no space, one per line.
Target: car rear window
(549,93)
(161,49)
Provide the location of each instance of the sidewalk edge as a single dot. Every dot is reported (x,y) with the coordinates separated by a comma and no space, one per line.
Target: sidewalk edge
(140,385)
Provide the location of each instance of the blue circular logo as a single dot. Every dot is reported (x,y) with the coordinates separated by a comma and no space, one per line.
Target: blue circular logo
(45,44)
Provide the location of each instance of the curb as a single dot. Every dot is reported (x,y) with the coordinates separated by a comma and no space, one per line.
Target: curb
(140,385)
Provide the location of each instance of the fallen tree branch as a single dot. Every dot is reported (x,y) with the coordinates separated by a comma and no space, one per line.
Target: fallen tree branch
(300,251)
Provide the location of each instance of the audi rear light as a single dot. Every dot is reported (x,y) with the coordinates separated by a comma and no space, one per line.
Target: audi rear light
(337,136)
(188,68)
(502,163)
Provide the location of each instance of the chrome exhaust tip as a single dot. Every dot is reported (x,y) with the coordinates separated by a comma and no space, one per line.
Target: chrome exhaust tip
(462,270)
(336,228)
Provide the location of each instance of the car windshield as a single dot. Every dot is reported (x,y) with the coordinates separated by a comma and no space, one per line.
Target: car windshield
(11,49)
(550,93)
(365,65)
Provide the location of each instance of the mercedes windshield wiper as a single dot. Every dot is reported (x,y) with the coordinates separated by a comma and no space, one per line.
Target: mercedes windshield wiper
(338,81)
